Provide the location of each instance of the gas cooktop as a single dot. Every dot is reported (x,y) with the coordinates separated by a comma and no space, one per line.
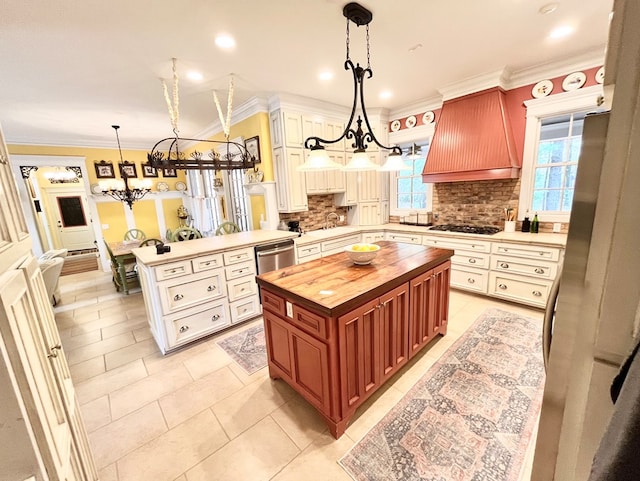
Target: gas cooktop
(467,229)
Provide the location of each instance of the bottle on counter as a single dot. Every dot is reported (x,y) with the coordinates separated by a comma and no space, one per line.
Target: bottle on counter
(534,224)
(526,223)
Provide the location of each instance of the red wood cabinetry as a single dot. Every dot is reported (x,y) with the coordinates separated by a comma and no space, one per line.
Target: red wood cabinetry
(336,362)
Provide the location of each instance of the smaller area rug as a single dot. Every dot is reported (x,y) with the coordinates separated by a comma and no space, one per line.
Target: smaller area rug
(247,348)
(470,417)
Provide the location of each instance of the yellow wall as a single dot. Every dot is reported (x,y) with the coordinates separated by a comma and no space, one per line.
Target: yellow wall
(112,214)
(170,210)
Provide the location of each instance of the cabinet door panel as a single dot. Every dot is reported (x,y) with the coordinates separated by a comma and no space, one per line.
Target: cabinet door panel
(440,297)
(359,343)
(421,311)
(394,322)
(311,368)
(278,343)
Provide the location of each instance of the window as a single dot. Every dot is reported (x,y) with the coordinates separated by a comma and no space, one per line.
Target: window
(409,193)
(553,137)
(557,163)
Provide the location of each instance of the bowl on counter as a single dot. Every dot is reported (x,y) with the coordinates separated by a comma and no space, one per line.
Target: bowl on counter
(362,253)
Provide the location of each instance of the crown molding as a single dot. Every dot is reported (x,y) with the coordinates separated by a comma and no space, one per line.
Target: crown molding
(245,110)
(419,106)
(497,78)
(557,68)
(96,144)
(417,134)
(298,103)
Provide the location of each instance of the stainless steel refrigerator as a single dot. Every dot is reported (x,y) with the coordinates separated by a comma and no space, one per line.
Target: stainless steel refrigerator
(597,311)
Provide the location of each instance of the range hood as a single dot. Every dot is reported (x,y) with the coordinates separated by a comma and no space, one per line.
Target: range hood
(473,140)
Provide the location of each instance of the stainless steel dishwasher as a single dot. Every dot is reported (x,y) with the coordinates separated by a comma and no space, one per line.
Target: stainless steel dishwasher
(274,256)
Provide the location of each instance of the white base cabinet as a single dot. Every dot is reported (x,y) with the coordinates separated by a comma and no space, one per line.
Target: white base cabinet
(190,299)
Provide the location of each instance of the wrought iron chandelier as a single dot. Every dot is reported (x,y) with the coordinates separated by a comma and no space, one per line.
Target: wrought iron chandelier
(318,158)
(119,189)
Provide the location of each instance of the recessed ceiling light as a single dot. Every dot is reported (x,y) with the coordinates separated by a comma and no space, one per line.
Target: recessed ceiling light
(225,41)
(386,94)
(326,75)
(193,75)
(560,32)
(548,8)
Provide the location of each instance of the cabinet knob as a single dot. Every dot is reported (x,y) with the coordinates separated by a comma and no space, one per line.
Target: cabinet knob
(215,317)
(472,261)
(541,253)
(539,270)
(504,265)
(53,351)
(211,288)
(184,328)
(537,293)
(471,280)
(502,286)
(177,297)
(208,263)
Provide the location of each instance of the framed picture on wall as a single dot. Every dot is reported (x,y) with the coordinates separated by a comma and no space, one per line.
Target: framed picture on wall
(128,169)
(169,172)
(253,147)
(149,171)
(104,170)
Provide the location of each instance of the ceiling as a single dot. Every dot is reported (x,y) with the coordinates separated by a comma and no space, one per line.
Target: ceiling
(72,69)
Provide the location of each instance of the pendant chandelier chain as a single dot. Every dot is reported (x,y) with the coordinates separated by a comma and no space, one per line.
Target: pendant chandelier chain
(225,121)
(172,102)
(348,21)
(368,50)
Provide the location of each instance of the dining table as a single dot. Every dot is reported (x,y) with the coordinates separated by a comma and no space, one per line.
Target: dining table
(122,253)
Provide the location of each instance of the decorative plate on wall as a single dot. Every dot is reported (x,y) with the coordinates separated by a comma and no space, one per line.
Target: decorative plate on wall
(162,187)
(181,186)
(574,81)
(542,89)
(96,189)
(395,125)
(600,75)
(428,117)
(410,122)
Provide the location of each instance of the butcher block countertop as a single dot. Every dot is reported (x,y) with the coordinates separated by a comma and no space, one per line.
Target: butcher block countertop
(334,285)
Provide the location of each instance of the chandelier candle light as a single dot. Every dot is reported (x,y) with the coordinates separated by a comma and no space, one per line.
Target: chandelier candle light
(318,159)
(119,189)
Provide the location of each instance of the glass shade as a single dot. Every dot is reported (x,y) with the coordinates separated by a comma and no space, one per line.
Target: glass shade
(394,162)
(317,161)
(360,162)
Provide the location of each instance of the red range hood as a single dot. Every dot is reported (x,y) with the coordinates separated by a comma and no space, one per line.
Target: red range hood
(473,140)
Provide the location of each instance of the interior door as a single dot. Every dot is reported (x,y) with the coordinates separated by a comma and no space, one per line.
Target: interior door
(70,218)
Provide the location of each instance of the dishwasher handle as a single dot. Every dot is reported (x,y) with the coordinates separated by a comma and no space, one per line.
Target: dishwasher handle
(273,252)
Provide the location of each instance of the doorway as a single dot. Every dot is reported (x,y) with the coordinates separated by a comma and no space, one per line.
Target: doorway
(69,219)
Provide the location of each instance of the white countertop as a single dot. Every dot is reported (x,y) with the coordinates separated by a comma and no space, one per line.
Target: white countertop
(209,245)
(548,239)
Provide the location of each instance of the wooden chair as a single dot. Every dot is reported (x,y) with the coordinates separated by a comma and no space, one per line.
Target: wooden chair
(128,264)
(134,234)
(151,242)
(185,233)
(227,228)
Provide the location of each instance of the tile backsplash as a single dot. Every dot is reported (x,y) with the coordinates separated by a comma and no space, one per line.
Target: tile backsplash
(315,217)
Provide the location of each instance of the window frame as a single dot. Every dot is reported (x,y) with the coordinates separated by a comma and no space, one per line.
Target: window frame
(537,110)
(404,138)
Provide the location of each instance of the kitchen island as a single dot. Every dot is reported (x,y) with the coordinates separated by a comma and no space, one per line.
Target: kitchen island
(336,331)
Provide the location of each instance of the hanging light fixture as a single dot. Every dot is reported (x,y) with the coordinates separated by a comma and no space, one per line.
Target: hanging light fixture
(60,175)
(119,189)
(318,158)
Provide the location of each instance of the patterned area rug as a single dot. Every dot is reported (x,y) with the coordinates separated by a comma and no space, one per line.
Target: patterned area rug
(471,415)
(247,348)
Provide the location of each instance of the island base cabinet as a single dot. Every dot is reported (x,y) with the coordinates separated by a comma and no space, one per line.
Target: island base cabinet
(299,359)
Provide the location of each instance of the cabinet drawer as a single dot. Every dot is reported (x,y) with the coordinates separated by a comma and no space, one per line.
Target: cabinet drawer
(172,270)
(206,263)
(190,290)
(530,252)
(244,309)
(198,324)
(308,321)
(239,288)
(520,289)
(463,258)
(458,244)
(238,255)
(544,270)
(240,270)
(339,243)
(273,303)
(309,250)
(407,238)
(469,279)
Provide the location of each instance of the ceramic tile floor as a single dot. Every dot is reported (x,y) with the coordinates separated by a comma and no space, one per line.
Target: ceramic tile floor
(195,414)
